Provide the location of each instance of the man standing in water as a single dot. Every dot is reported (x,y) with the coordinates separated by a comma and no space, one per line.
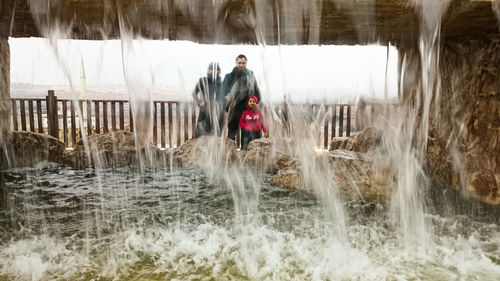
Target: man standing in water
(237,87)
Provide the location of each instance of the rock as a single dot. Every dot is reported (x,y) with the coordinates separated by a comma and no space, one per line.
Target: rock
(239,21)
(362,141)
(268,155)
(5,103)
(289,178)
(262,153)
(20,149)
(360,178)
(463,150)
(354,173)
(206,150)
(113,149)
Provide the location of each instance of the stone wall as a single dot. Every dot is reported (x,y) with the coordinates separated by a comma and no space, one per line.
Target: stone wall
(464,136)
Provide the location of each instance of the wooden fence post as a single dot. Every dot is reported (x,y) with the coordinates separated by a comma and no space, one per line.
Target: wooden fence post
(31,115)
(14,115)
(325,127)
(113,116)
(162,126)
(130,117)
(52,116)
(348,126)
(23,115)
(122,116)
(65,124)
(97,118)
(89,118)
(341,120)
(155,124)
(39,115)
(178,121)
(73,123)
(105,117)
(193,119)
(170,125)
(186,118)
(334,120)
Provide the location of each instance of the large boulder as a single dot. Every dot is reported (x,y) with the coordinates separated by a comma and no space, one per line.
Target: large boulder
(360,177)
(355,174)
(263,154)
(115,148)
(362,141)
(463,150)
(206,150)
(268,154)
(20,149)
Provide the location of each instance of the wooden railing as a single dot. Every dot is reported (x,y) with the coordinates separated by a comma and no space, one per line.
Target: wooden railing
(331,120)
(181,120)
(174,122)
(60,118)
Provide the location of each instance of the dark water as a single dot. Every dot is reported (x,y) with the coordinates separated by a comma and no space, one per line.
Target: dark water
(58,223)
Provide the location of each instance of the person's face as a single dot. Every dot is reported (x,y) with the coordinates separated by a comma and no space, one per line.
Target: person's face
(251,103)
(241,64)
(211,72)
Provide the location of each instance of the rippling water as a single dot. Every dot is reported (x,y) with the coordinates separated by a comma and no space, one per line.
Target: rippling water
(59,223)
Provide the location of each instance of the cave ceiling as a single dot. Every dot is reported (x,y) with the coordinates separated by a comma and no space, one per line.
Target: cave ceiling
(244,21)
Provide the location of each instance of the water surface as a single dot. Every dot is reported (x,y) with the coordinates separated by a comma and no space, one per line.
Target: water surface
(58,223)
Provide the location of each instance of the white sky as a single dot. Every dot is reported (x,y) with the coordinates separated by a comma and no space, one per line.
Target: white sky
(304,72)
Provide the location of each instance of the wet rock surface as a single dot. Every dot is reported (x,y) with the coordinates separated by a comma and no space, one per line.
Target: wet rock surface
(20,149)
(463,150)
(289,177)
(236,21)
(115,148)
(5,104)
(262,153)
(360,178)
(354,173)
(196,152)
(362,141)
(268,155)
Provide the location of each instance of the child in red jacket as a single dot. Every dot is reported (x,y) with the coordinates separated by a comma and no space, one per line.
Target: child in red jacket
(251,123)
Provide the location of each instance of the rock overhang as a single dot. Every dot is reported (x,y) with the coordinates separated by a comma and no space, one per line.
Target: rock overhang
(268,22)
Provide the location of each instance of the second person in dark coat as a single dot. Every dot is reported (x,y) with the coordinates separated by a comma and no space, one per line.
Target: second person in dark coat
(209,97)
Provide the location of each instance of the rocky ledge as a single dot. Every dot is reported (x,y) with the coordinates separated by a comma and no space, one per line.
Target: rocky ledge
(116,148)
(352,168)
(353,172)
(21,149)
(18,149)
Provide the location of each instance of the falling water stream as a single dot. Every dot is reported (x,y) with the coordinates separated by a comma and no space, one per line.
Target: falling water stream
(226,222)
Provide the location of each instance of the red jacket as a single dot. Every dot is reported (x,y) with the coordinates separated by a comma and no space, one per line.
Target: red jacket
(252,121)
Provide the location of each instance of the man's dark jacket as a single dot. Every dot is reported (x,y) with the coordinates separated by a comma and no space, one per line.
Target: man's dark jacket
(239,85)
